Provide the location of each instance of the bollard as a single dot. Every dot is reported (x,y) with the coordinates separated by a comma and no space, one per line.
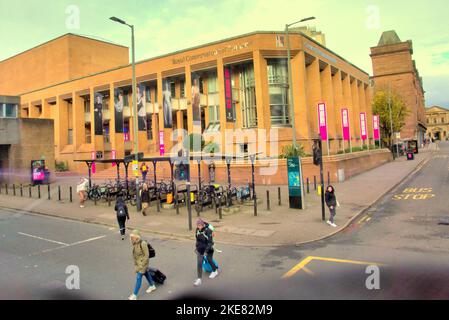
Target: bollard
(21,190)
(255,205)
(29,191)
(71,198)
(158,204)
(308,185)
(59,193)
(14,189)
(220,212)
(268,200)
(6,188)
(39,191)
(314,182)
(95,200)
(48,190)
(109,197)
(279,196)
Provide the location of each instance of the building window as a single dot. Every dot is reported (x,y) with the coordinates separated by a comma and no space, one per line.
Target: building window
(8,110)
(442,120)
(88,133)
(434,120)
(214,119)
(183,88)
(185,125)
(70,137)
(106,133)
(125,98)
(248,97)
(278,90)
(173,89)
(86,106)
(212,83)
(149,126)
(147,94)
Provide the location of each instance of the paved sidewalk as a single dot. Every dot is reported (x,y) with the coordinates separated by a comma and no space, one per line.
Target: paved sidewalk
(279,226)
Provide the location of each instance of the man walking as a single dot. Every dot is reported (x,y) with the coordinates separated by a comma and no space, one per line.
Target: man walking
(121,210)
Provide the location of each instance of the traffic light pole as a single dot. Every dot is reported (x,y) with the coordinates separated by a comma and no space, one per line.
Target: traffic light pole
(323,210)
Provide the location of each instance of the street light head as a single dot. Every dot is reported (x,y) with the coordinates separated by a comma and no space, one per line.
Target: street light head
(117,20)
(308,19)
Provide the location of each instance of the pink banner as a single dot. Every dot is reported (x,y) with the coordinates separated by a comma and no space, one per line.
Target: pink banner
(114,155)
(94,168)
(161,143)
(363,128)
(376,128)
(322,121)
(345,124)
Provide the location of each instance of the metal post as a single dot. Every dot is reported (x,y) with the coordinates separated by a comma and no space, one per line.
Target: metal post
(308,185)
(391,122)
(268,200)
(109,197)
(6,188)
(29,191)
(314,182)
(89,167)
(14,189)
(71,196)
(279,196)
(189,203)
(323,212)
(220,213)
(290,87)
(228,168)
(48,191)
(38,191)
(253,157)
(21,190)
(199,174)
(59,193)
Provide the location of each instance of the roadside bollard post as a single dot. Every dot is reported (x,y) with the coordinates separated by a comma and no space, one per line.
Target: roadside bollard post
(29,191)
(21,190)
(59,193)
(14,189)
(39,191)
(71,197)
(279,196)
(268,200)
(220,210)
(95,200)
(109,197)
(308,185)
(314,182)
(6,188)
(48,190)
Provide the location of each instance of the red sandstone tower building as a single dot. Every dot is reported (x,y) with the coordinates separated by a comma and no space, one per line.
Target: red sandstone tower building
(394,69)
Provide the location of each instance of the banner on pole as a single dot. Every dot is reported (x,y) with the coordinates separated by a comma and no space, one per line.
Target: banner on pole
(322,121)
(363,129)
(93,156)
(114,156)
(376,127)
(345,124)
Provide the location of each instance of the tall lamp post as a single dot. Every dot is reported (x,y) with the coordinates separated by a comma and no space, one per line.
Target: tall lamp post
(135,122)
(290,85)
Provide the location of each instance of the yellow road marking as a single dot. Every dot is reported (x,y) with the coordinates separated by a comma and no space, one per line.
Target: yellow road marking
(369,219)
(302,265)
(363,219)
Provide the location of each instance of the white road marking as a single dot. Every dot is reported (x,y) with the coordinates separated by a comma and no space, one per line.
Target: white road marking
(87,240)
(44,239)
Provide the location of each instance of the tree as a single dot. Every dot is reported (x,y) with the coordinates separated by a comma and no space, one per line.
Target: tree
(290,151)
(382,101)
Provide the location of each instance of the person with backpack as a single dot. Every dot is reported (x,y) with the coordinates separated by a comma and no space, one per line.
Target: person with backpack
(145,197)
(122,215)
(141,255)
(204,247)
(332,203)
(144,171)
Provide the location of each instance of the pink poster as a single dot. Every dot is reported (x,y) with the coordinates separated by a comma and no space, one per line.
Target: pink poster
(161,143)
(94,168)
(345,124)
(114,155)
(322,121)
(376,121)
(363,128)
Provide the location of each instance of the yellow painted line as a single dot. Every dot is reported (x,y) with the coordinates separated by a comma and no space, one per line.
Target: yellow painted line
(363,219)
(369,219)
(302,265)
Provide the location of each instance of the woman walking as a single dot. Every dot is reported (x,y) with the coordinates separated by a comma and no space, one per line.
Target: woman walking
(145,196)
(331,202)
(121,209)
(141,257)
(204,246)
(81,190)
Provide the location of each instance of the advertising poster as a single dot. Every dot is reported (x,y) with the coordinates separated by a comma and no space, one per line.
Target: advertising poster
(167,107)
(322,121)
(228,95)
(94,167)
(376,128)
(98,114)
(345,124)
(363,129)
(196,100)
(161,143)
(118,110)
(141,110)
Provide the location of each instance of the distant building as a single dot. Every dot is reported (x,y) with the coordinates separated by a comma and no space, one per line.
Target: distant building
(311,32)
(394,69)
(437,123)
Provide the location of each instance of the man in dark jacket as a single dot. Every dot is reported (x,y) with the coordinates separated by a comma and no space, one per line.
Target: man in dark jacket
(204,245)
(331,202)
(122,215)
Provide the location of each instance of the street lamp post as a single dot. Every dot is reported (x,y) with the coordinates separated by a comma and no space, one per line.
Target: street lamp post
(134,97)
(290,85)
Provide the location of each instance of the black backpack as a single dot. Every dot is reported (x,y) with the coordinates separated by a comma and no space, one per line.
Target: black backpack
(151,250)
(121,213)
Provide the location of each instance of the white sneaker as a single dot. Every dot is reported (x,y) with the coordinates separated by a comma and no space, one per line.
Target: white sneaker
(213,275)
(151,289)
(197,282)
(132,297)
(81,206)
(334,225)
(329,223)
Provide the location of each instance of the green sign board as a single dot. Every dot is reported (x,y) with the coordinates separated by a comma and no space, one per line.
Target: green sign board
(294,182)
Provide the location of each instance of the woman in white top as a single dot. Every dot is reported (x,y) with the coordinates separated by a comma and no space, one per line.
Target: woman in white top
(81,190)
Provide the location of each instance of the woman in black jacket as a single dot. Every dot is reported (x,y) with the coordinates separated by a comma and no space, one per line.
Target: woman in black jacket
(331,202)
(145,197)
(204,245)
(122,215)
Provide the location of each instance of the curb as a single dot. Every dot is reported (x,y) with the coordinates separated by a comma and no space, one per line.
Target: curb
(191,237)
(361,212)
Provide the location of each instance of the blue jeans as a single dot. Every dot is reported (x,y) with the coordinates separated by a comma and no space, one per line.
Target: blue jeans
(139,281)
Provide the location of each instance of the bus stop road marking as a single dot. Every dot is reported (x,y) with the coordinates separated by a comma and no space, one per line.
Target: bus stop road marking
(303,264)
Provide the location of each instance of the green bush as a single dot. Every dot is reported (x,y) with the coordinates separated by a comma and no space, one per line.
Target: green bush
(61,166)
(292,152)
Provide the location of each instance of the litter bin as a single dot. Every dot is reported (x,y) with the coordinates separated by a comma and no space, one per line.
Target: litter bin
(410,155)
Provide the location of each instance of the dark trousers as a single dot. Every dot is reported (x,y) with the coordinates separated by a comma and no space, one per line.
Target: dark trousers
(333,213)
(199,263)
(144,176)
(122,225)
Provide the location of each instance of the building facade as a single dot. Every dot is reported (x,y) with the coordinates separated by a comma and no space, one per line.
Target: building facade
(437,123)
(394,70)
(230,86)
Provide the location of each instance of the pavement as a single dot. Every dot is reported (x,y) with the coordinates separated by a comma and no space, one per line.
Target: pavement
(399,239)
(278,226)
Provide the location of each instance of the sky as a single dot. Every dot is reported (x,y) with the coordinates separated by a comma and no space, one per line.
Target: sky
(163,26)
